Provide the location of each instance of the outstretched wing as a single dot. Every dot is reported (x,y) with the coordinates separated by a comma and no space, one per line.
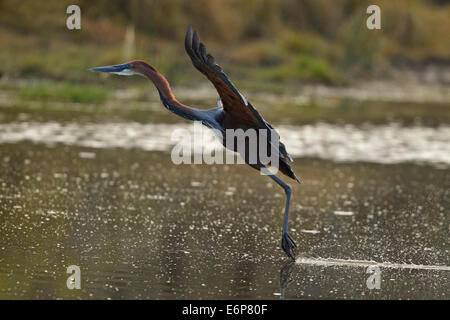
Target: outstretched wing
(234,103)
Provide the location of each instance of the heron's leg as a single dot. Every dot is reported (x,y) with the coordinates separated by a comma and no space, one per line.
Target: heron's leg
(287,243)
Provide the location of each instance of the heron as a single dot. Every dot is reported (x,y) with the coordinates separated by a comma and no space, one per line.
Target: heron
(233,111)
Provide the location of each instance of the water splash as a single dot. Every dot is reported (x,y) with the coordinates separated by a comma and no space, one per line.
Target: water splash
(365,263)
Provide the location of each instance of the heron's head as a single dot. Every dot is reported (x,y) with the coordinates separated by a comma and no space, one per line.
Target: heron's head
(128,69)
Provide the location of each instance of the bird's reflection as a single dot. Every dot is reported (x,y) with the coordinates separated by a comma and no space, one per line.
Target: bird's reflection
(286,276)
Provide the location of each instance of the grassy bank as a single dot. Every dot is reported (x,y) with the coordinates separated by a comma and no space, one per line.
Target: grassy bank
(262,44)
(64,92)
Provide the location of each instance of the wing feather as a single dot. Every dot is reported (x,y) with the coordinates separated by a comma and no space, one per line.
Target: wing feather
(233,101)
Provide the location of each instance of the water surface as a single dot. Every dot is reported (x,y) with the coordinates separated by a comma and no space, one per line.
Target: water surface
(140,227)
(388,143)
(94,186)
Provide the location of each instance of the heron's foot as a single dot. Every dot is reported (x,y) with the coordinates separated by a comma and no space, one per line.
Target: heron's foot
(288,245)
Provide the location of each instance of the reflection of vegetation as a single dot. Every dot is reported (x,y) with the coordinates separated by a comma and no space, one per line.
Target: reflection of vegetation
(64,92)
(357,112)
(255,41)
(43,100)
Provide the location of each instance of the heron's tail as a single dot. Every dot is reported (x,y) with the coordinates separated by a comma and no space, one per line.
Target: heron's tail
(286,169)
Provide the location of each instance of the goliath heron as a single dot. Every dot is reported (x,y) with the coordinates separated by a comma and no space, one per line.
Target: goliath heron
(233,112)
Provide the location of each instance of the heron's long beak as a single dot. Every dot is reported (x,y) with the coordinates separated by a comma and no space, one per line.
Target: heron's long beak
(120,69)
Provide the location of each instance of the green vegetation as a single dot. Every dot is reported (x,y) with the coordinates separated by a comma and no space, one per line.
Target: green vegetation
(303,68)
(63,92)
(43,101)
(259,43)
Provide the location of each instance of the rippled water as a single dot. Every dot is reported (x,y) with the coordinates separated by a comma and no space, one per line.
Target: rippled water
(390,143)
(79,188)
(140,227)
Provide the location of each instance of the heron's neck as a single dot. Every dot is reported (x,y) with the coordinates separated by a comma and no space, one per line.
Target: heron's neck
(167,97)
(162,85)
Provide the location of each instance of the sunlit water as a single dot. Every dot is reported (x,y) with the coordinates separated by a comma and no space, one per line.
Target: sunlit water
(141,227)
(100,191)
(390,143)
